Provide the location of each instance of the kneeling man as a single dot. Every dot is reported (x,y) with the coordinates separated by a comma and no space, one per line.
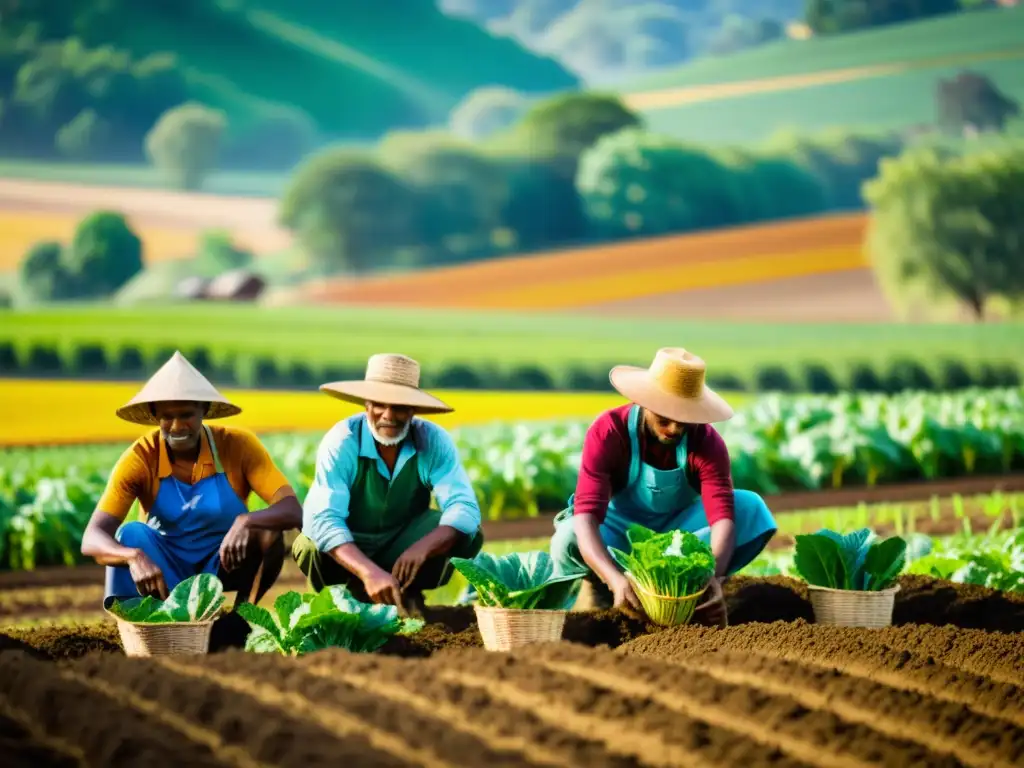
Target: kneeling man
(367,521)
(658,461)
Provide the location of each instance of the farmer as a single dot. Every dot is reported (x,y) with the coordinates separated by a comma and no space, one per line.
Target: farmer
(658,461)
(367,521)
(192,482)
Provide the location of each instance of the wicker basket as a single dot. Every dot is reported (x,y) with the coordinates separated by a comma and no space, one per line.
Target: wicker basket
(853,608)
(506,628)
(190,638)
(664,610)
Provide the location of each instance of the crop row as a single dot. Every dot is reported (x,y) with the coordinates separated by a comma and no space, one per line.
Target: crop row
(777,443)
(244,369)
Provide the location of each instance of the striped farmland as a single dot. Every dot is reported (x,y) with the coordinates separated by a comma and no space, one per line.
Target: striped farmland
(588,277)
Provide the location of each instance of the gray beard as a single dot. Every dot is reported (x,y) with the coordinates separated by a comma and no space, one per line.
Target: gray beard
(389,441)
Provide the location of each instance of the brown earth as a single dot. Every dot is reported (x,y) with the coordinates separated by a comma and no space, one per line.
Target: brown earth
(944,686)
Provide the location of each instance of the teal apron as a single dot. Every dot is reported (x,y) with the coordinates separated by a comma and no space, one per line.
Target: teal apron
(663,500)
(184,530)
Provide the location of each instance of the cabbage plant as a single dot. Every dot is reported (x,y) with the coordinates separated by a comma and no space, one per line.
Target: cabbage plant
(855,561)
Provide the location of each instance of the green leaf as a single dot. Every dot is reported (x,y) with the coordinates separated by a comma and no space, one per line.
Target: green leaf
(197,598)
(260,621)
(519,580)
(675,563)
(884,562)
(136,609)
(819,561)
(853,547)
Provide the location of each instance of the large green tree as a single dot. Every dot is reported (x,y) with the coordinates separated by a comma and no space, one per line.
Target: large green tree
(949,226)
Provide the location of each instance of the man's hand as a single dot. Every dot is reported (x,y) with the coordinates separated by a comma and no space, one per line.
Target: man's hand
(624,596)
(408,564)
(148,577)
(713,609)
(235,546)
(382,587)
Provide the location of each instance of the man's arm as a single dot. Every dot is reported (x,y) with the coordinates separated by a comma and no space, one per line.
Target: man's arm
(460,510)
(123,488)
(711,461)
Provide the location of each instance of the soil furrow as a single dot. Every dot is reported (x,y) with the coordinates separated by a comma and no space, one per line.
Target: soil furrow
(423,732)
(777,721)
(648,729)
(263,735)
(995,655)
(854,653)
(100,731)
(23,745)
(973,738)
(472,709)
(371,745)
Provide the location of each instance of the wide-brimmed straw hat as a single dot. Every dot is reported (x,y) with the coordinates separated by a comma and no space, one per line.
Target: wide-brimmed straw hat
(177,380)
(390,379)
(673,388)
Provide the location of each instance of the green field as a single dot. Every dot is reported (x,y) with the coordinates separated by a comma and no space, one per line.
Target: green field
(889,102)
(321,337)
(979,32)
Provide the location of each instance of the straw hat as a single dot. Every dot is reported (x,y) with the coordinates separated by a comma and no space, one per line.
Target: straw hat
(177,379)
(673,388)
(391,379)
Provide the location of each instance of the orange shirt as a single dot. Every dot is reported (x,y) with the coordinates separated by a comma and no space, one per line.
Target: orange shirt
(137,474)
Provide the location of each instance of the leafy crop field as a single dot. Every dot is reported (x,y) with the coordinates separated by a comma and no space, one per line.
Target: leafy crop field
(555,349)
(944,687)
(520,470)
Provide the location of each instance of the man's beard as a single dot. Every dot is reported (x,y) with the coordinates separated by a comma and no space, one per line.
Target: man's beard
(389,441)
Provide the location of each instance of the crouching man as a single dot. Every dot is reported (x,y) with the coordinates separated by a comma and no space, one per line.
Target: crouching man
(367,520)
(192,482)
(657,461)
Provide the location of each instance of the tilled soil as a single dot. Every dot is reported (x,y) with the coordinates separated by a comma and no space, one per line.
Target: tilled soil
(772,689)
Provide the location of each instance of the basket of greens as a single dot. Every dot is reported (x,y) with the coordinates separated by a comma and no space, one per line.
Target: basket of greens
(520,598)
(181,624)
(669,572)
(852,578)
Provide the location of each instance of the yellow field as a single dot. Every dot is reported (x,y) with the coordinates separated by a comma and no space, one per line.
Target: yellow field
(20,230)
(50,412)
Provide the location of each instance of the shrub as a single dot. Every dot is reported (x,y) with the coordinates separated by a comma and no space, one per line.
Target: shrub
(864,378)
(774,378)
(185,143)
(954,375)
(908,374)
(89,359)
(819,379)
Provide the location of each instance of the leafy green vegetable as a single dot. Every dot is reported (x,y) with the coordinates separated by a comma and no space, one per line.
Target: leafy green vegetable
(332,618)
(672,564)
(519,580)
(854,561)
(197,598)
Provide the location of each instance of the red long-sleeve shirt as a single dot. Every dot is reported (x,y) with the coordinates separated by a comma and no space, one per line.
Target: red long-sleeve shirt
(604,469)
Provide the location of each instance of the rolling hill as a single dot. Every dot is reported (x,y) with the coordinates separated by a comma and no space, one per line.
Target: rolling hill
(358,69)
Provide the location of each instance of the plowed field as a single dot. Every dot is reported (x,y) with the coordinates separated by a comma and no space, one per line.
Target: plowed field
(943,687)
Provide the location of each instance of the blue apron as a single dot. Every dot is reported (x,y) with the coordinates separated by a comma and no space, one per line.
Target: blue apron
(663,500)
(184,529)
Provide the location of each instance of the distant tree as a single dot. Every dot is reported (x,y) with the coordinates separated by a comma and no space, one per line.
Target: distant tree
(562,127)
(737,33)
(277,141)
(105,253)
(85,137)
(218,253)
(185,143)
(972,100)
(349,212)
(832,16)
(948,226)
(636,183)
(43,275)
(543,207)
(774,186)
(487,110)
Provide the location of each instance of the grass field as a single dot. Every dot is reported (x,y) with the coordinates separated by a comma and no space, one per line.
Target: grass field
(347,336)
(927,42)
(53,412)
(588,277)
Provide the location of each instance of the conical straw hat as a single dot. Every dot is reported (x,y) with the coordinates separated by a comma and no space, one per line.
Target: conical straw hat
(177,379)
(390,379)
(673,388)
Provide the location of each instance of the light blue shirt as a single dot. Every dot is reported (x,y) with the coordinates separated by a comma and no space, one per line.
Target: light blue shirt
(325,510)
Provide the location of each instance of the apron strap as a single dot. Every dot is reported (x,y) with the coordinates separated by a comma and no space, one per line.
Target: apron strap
(634,446)
(213,449)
